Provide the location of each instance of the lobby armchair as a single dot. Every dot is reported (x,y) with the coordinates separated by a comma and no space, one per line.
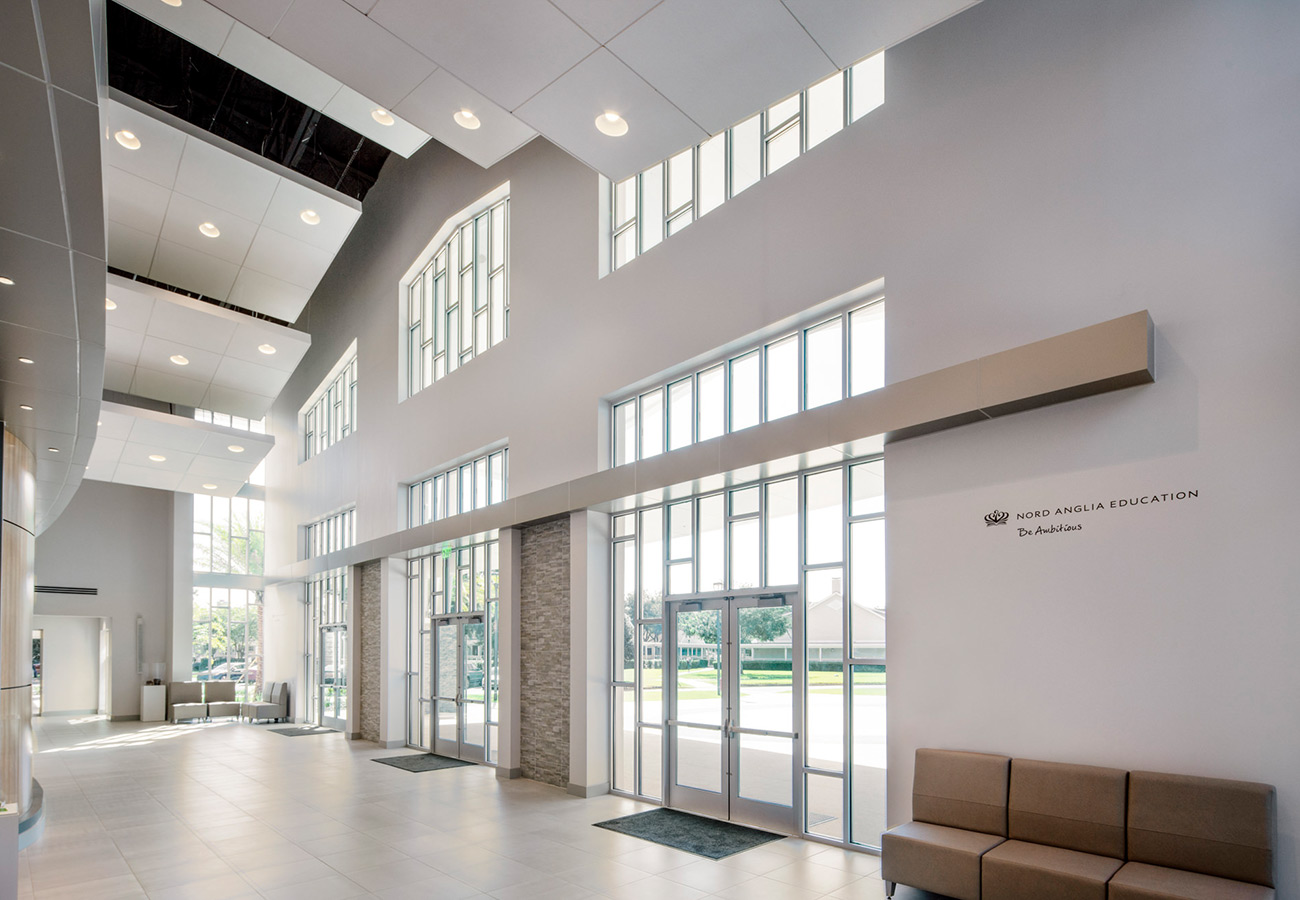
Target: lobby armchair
(273,705)
(220,696)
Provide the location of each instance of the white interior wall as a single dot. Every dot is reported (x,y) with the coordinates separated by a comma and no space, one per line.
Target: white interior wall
(1035,168)
(69,664)
(118,539)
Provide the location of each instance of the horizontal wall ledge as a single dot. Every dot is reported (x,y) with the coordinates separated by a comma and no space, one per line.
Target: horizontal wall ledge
(1108,356)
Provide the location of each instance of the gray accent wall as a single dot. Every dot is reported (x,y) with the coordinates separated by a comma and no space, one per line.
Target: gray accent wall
(1036,168)
(116,538)
(544,653)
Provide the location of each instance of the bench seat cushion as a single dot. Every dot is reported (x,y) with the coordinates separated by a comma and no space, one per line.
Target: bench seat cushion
(223,708)
(1139,881)
(935,858)
(189,710)
(1017,870)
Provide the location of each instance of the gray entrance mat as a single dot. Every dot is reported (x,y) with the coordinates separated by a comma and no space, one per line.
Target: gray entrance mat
(694,834)
(422,762)
(299,732)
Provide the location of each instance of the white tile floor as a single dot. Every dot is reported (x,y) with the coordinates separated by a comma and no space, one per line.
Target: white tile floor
(226,810)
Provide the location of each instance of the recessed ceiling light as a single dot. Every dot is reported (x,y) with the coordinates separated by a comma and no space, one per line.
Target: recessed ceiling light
(173,2)
(266,348)
(310,216)
(109,304)
(24,407)
(179,360)
(25,361)
(611,123)
(127,139)
(467,119)
(207,229)
(382,116)
(52,449)
(157,457)
(4,280)
(209,487)
(235,448)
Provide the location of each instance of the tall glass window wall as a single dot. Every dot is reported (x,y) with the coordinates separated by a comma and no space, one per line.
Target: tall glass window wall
(331,415)
(471,485)
(659,202)
(229,535)
(325,666)
(459,304)
(838,357)
(334,532)
(456,584)
(227,638)
(823,530)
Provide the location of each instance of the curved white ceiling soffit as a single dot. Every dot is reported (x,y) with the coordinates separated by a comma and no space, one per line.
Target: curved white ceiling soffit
(677,70)
(51,241)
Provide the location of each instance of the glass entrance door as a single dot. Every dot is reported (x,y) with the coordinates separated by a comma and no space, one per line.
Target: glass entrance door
(732,708)
(459,650)
(332,677)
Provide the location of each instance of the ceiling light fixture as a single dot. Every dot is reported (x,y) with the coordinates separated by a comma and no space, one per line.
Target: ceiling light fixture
(266,348)
(4,280)
(52,449)
(173,2)
(26,361)
(209,487)
(109,304)
(210,230)
(611,123)
(24,407)
(382,116)
(467,119)
(127,139)
(157,457)
(310,216)
(235,448)
(179,360)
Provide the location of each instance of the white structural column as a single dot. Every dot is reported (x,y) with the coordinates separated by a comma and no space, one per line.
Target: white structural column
(17,596)
(393,661)
(180,620)
(508,592)
(589,649)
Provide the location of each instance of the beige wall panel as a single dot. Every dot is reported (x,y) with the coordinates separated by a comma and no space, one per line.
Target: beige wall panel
(17,583)
(16,744)
(18,497)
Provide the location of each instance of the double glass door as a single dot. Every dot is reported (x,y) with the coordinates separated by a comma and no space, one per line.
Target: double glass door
(732,705)
(459,654)
(332,677)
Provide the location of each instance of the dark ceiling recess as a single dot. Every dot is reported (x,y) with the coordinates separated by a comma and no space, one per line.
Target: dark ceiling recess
(152,64)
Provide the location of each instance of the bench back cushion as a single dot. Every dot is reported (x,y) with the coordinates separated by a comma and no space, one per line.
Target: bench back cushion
(1207,825)
(280,695)
(185,692)
(961,790)
(219,692)
(1076,807)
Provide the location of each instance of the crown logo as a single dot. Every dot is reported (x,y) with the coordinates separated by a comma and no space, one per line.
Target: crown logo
(997,517)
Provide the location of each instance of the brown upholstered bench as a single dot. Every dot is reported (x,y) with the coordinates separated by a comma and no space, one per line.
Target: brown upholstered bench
(1197,839)
(1079,833)
(959,813)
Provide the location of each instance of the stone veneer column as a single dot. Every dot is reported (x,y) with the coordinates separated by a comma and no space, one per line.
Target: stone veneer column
(17,595)
(369,639)
(544,652)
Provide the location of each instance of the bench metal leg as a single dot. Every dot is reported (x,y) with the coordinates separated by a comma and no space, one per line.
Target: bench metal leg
(890,887)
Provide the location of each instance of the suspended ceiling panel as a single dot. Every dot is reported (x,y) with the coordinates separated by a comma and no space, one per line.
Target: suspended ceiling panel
(298,71)
(677,69)
(266,257)
(225,368)
(171,453)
